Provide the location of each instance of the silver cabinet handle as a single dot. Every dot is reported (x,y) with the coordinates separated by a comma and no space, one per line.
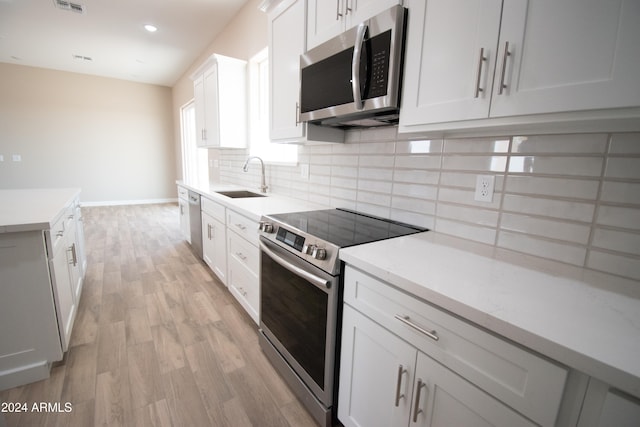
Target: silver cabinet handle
(297,114)
(355,66)
(241,256)
(240,226)
(209,231)
(338,14)
(416,403)
(406,320)
(504,68)
(481,62)
(399,396)
(349,8)
(74,254)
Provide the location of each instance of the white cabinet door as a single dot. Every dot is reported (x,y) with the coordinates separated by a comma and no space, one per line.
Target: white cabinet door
(183,205)
(63,292)
(214,246)
(198,97)
(329,18)
(286,44)
(211,135)
(376,374)
(445,77)
(604,406)
(219,89)
(441,398)
(568,55)
(325,19)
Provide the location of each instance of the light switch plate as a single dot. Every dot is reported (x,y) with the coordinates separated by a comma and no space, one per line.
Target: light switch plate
(304,171)
(16,157)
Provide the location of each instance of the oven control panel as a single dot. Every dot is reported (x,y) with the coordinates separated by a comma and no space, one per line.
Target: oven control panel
(290,239)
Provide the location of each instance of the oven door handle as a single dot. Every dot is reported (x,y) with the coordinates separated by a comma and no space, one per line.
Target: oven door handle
(317,281)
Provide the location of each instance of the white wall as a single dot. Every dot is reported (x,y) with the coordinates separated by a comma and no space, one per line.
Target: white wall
(112,138)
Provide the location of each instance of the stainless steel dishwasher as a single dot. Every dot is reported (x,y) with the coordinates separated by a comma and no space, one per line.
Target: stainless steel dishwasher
(195,222)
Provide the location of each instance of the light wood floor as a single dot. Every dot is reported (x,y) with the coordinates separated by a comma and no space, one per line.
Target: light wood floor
(157,339)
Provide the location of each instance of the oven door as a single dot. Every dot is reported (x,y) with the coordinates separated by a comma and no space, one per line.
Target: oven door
(298,315)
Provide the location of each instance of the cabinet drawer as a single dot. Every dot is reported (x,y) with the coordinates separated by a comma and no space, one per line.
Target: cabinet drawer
(243,251)
(183,193)
(55,235)
(528,383)
(245,287)
(216,210)
(243,226)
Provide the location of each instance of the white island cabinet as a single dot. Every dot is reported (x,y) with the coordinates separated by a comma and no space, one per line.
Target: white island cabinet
(42,265)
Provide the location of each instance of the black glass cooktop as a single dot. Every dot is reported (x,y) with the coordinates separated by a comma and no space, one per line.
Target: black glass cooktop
(345,228)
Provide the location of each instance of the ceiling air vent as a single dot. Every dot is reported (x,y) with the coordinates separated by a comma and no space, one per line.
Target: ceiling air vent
(67,5)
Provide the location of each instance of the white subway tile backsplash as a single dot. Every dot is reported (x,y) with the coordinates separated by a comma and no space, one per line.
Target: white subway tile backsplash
(545,227)
(563,209)
(623,168)
(466,231)
(621,192)
(556,187)
(568,198)
(570,254)
(621,241)
(547,165)
(568,144)
(617,216)
(615,264)
(625,143)
(419,146)
(474,163)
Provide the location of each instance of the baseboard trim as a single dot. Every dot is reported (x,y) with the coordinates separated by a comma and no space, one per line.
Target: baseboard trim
(129,202)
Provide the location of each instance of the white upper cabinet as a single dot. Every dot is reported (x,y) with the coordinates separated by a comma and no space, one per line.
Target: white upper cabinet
(220,96)
(568,55)
(286,44)
(328,18)
(446,77)
(479,59)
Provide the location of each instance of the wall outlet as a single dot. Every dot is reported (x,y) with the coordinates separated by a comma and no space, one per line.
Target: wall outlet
(1,157)
(304,171)
(484,188)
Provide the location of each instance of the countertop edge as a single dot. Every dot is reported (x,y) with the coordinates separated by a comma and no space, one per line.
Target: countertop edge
(63,198)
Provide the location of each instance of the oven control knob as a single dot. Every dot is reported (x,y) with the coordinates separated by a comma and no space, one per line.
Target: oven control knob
(308,249)
(319,253)
(266,227)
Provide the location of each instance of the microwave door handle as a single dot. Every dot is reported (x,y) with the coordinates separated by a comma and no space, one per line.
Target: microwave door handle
(355,66)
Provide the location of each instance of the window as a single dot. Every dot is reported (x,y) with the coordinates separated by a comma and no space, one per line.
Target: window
(260,144)
(194,160)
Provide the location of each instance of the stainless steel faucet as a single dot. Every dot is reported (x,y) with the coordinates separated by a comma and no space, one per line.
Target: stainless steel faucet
(263,185)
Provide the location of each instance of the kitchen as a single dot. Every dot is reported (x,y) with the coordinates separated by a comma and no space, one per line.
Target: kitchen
(567,197)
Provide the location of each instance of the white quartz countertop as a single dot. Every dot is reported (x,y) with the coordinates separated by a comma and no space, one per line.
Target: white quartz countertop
(252,207)
(33,209)
(585,320)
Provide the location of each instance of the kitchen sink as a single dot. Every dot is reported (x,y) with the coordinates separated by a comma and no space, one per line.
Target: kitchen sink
(240,194)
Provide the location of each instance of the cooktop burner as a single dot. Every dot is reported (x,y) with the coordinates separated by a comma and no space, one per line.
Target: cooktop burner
(345,228)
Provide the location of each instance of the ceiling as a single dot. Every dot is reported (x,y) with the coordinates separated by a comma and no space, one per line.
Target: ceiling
(108,37)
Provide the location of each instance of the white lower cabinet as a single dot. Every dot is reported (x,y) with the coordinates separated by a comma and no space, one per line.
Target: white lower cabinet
(214,250)
(605,406)
(404,362)
(243,262)
(183,204)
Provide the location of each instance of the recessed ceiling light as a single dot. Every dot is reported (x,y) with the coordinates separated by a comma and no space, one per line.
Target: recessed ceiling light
(151,28)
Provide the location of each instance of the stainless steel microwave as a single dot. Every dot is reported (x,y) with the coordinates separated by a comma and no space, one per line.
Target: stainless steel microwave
(354,79)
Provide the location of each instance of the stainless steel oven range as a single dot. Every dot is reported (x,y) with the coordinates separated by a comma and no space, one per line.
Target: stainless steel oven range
(301,296)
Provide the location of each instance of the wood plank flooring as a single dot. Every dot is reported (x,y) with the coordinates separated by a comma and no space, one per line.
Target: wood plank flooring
(158,340)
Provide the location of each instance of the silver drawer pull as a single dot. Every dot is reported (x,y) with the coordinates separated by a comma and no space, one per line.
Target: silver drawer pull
(399,395)
(241,256)
(240,226)
(416,405)
(405,319)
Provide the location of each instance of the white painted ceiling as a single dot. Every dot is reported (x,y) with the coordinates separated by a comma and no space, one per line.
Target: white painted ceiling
(111,32)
